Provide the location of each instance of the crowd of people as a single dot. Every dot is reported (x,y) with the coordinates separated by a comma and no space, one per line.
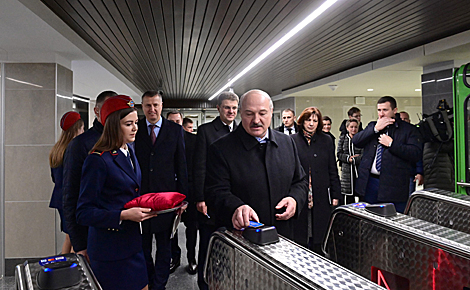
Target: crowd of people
(230,174)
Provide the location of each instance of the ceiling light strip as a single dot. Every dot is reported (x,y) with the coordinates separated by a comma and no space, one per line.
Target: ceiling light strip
(327,4)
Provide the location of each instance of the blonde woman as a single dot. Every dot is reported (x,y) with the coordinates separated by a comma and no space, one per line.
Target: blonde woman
(72,126)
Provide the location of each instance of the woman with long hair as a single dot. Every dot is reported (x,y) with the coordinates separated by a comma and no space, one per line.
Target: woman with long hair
(110,178)
(317,156)
(72,126)
(350,157)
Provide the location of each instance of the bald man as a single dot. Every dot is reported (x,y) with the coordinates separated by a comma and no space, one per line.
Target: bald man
(272,189)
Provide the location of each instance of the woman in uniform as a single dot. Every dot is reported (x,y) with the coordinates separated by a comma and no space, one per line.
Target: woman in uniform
(317,156)
(110,178)
(72,126)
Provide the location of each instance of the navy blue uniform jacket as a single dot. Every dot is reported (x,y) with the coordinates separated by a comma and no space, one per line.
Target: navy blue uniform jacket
(398,161)
(56,198)
(239,172)
(108,182)
(163,166)
(76,153)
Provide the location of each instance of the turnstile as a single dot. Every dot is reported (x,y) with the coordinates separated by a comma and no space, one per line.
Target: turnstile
(398,252)
(235,263)
(441,207)
(27,275)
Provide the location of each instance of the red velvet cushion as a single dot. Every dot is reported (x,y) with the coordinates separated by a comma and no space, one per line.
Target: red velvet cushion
(157,200)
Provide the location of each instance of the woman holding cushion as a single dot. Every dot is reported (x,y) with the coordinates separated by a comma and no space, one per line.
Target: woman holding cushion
(110,178)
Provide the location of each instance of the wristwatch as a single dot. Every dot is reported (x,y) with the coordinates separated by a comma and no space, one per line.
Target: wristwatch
(390,144)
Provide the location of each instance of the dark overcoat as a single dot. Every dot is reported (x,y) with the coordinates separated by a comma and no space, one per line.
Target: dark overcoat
(108,182)
(242,171)
(319,159)
(206,134)
(398,161)
(76,153)
(163,166)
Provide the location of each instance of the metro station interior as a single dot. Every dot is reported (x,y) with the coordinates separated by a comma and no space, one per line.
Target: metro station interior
(58,55)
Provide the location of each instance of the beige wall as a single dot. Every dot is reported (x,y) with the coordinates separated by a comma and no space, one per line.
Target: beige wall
(337,107)
(32,110)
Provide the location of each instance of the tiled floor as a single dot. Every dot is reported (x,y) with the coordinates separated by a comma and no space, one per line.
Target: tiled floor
(180,279)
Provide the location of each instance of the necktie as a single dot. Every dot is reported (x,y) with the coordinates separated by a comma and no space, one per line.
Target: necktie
(153,137)
(289,130)
(128,157)
(378,160)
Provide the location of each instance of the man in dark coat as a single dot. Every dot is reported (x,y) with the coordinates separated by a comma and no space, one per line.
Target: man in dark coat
(289,126)
(353,113)
(159,147)
(76,153)
(254,173)
(227,105)
(391,149)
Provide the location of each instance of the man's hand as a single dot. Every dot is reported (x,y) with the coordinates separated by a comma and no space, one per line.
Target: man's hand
(84,253)
(202,207)
(335,202)
(242,216)
(352,157)
(419,178)
(290,204)
(385,140)
(384,122)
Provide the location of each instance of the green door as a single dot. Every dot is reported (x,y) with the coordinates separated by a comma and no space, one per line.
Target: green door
(462,128)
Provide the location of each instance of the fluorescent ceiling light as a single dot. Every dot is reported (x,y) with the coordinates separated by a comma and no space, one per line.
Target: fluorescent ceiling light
(25,83)
(370,90)
(417,90)
(426,82)
(327,4)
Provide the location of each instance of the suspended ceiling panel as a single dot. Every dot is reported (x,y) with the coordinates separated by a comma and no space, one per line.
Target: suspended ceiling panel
(190,49)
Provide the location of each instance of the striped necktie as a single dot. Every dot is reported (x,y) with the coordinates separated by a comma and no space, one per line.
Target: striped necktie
(378,160)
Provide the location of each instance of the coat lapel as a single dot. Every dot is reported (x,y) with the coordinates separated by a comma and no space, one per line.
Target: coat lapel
(162,135)
(144,132)
(122,162)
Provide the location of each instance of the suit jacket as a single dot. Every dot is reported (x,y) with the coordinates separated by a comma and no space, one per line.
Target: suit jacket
(318,158)
(76,153)
(163,166)
(108,182)
(241,171)
(281,128)
(398,161)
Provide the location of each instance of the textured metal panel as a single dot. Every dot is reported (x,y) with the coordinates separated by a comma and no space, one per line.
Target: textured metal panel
(441,207)
(283,265)
(190,49)
(429,256)
(26,275)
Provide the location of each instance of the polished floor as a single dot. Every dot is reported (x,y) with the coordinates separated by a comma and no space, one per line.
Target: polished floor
(180,279)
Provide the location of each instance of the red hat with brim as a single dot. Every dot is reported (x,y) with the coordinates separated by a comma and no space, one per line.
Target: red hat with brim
(114,104)
(68,119)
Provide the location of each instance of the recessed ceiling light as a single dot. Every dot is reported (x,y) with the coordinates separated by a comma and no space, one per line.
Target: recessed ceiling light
(417,90)
(327,4)
(370,90)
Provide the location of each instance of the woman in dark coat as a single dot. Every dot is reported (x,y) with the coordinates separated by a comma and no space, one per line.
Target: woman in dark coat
(350,157)
(72,126)
(111,178)
(317,156)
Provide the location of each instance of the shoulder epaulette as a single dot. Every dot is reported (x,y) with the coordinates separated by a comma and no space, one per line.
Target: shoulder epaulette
(96,152)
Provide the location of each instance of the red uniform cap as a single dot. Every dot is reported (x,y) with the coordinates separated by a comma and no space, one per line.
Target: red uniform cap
(114,104)
(68,119)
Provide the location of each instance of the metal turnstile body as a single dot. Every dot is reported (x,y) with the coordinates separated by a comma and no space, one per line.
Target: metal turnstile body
(235,263)
(441,207)
(399,252)
(26,274)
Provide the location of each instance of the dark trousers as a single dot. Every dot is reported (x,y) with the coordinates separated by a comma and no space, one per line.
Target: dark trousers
(372,193)
(191,239)
(175,248)
(158,271)
(205,232)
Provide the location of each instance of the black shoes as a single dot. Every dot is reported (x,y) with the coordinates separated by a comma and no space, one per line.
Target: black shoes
(174,264)
(192,267)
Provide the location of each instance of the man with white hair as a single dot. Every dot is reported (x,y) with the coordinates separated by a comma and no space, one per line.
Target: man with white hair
(254,173)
